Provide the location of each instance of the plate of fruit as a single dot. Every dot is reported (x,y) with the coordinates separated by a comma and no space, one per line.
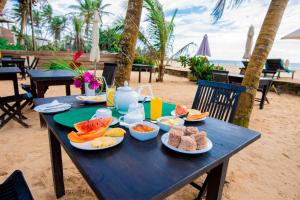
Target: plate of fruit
(190,115)
(95,135)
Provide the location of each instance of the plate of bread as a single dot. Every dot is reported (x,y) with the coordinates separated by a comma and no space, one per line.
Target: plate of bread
(188,140)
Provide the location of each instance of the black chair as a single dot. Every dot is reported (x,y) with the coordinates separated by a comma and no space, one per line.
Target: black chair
(109,73)
(220,100)
(277,66)
(220,76)
(33,64)
(15,188)
(243,69)
(12,106)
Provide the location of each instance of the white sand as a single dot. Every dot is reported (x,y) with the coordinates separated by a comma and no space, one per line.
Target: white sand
(267,169)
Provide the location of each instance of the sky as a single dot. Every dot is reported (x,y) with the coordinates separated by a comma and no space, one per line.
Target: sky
(227,38)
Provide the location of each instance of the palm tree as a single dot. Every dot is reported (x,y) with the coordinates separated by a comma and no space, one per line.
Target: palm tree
(2,5)
(77,26)
(32,27)
(57,25)
(160,32)
(20,12)
(259,56)
(86,8)
(47,13)
(128,40)
(37,20)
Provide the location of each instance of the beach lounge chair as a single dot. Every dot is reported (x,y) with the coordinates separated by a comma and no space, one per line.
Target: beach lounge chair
(220,100)
(15,188)
(276,65)
(220,76)
(243,69)
(12,106)
(109,73)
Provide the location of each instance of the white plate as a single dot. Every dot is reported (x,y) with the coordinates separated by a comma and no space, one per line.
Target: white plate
(91,99)
(114,120)
(197,120)
(41,108)
(173,113)
(165,139)
(145,98)
(88,145)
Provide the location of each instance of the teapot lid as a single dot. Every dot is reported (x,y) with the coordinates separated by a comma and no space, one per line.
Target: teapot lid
(125,88)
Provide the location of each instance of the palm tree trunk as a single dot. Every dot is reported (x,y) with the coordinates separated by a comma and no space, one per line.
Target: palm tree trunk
(2,5)
(128,41)
(23,26)
(32,27)
(261,51)
(87,28)
(161,67)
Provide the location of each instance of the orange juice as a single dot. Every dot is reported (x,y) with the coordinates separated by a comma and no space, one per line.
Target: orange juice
(156,108)
(110,97)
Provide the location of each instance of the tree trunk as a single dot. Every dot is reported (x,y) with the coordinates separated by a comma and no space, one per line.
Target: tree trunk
(128,41)
(87,28)
(2,5)
(32,27)
(161,67)
(23,26)
(261,51)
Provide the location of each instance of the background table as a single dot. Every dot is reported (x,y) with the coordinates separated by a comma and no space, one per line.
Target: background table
(10,73)
(18,62)
(146,170)
(41,79)
(264,82)
(141,67)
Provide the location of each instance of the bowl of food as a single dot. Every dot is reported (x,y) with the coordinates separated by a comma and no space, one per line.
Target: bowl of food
(166,123)
(143,130)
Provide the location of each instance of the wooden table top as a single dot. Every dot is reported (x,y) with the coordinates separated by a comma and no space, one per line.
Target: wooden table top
(242,76)
(9,70)
(148,170)
(51,75)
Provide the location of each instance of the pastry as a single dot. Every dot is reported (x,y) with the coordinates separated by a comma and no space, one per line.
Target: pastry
(187,143)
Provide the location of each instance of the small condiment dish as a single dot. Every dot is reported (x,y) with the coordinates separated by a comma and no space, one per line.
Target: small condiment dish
(143,136)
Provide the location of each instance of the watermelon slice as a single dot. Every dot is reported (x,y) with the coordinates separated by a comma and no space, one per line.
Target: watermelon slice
(92,125)
(181,110)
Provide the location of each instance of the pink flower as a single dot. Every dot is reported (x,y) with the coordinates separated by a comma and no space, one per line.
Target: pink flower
(94,85)
(78,83)
(88,77)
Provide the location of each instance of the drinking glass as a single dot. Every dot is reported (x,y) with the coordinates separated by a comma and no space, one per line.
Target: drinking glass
(156,108)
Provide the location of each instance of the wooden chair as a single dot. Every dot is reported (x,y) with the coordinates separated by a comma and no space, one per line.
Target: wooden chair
(220,100)
(220,76)
(109,73)
(12,106)
(276,65)
(15,188)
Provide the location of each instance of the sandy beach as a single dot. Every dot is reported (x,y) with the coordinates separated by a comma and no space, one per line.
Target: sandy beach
(267,169)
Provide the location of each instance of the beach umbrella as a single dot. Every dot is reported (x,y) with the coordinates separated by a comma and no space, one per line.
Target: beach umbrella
(293,35)
(204,47)
(249,43)
(95,51)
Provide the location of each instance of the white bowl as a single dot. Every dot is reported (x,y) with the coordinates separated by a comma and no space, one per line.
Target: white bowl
(167,127)
(143,136)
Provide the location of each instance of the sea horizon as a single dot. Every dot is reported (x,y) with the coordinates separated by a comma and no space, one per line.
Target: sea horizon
(238,63)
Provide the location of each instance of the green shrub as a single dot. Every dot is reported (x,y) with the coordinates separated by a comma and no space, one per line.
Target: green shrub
(141,59)
(5,46)
(200,67)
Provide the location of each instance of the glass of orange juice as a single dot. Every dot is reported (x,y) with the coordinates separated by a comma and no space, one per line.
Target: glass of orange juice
(110,92)
(156,108)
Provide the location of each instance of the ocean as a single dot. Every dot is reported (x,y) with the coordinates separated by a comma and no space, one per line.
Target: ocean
(240,64)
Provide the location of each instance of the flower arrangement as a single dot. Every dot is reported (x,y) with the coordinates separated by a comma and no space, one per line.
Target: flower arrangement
(89,80)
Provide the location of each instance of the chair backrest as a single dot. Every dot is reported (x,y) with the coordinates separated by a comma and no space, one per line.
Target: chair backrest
(109,72)
(245,63)
(219,99)
(220,76)
(15,188)
(34,63)
(274,64)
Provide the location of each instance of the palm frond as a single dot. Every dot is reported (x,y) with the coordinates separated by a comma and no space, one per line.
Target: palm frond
(220,7)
